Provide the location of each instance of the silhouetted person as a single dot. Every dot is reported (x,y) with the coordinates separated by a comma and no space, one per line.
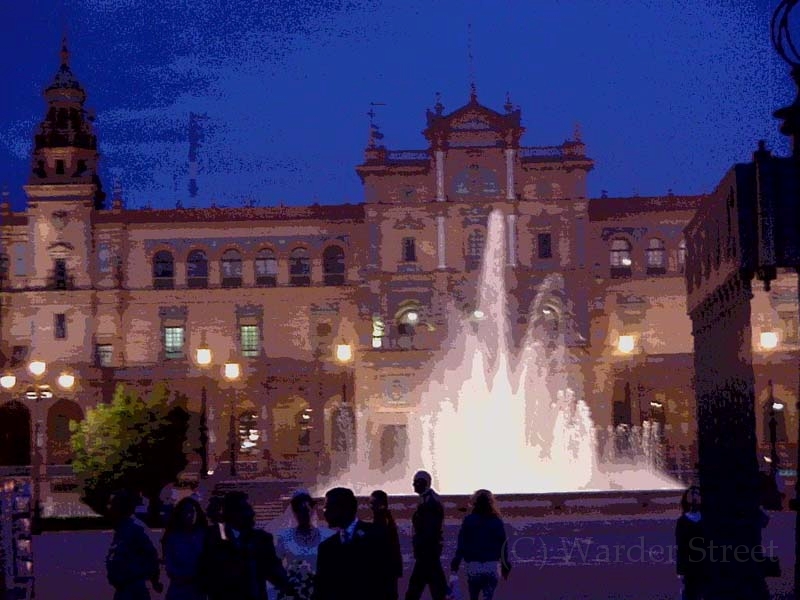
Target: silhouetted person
(298,546)
(382,517)
(132,559)
(238,559)
(427,542)
(182,545)
(690,538)
(214,510)
(482,546)
(350,564)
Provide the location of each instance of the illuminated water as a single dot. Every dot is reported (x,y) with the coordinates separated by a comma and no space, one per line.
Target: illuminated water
(490,416)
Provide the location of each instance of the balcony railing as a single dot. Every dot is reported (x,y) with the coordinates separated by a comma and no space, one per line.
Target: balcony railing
(542,152)
(407,155)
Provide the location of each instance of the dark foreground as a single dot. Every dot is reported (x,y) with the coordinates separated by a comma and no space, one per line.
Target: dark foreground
(583,559)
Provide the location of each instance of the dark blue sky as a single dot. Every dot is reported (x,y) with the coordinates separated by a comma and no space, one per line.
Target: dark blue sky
(668,94)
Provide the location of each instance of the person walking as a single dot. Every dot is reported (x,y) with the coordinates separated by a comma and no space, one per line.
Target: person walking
(238,559)
(382,517)
(690,538)
(132,559)
(350,564)
(427,542)
(482,546)
(298,546)
(182,545)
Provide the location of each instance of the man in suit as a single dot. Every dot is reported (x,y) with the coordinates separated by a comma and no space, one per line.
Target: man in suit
(238,559)
(427,542)
(350,564)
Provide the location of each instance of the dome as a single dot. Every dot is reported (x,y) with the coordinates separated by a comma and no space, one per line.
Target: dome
(65,79)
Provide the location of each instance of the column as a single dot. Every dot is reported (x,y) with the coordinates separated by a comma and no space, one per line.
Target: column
(511,227)
(440,241)
(509,173)
(440,176)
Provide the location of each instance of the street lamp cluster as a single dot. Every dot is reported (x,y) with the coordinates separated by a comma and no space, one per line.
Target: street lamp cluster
(231,371)
(36,392)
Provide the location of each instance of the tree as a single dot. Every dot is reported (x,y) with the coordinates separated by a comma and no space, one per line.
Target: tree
(132,443)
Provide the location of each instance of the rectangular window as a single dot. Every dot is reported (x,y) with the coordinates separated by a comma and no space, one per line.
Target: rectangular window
(104,354)
(60,326)
(173,342)
(60,274)
(250,340)
(789,326)
(20,260)
(104,257)
(545,245)
(18,355)
(59,167)
(409,250)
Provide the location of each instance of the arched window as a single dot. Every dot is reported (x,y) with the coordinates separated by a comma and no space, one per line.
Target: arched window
(656,257)
(197,269)
(407,319)
(682,256)
(333,265)
(299,267)
(475,243)
(163,270)
(305,426)
(249,434)
(4,262)
(620,258)
(266,268)
(231,269)
(776,408)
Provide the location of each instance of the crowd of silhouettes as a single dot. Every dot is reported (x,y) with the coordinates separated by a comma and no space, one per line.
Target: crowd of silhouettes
(219,553)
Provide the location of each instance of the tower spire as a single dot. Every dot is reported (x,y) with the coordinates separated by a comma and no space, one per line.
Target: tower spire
(64,51)
(375,134)
(473,91)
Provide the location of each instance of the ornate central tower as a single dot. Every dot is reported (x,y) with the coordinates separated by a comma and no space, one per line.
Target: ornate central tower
(63,188)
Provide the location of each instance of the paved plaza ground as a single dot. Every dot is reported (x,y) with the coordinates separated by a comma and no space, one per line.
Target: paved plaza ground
(591,558)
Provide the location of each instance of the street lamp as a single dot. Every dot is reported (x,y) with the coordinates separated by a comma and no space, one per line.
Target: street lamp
(775,498)
(203,357)
(231,372)
(35,393)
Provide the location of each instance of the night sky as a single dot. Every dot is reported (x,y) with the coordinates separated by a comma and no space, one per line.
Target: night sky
(668,94)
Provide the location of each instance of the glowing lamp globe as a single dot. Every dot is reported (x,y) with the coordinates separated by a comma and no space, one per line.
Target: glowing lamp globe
(203,355)
(344,352)
(232,371)
(37,367)
(769,340)
(626,344)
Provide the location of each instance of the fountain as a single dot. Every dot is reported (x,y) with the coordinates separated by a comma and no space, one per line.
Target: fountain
(490,416)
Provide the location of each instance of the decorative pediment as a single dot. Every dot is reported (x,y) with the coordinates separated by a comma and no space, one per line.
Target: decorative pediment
(635,232)
(472,122)
(60,249)
(409,222)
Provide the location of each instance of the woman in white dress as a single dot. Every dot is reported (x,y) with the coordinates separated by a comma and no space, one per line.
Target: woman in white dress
(297,546)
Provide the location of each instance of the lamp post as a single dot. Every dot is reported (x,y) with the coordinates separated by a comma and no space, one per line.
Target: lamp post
(232,372)
(775,502)
(787,50)
(203,357)
(344,354)
(36,393)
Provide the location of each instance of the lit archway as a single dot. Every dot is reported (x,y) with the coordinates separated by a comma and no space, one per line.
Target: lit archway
(15,434)
(59,450)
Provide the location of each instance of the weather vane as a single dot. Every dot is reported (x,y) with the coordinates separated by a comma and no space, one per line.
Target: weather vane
(786,49)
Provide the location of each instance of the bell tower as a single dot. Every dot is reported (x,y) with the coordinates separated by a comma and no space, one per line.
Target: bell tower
(63,188)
